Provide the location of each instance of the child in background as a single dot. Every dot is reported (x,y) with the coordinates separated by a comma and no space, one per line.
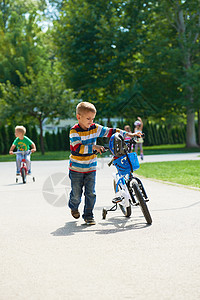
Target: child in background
(127,138)
(138,128)
(23,143)
(83,162)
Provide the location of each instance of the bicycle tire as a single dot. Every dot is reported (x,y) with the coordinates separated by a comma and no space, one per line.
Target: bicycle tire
(125,210)
(23,172)
(142,204)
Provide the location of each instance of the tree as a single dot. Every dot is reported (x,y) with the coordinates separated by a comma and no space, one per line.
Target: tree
(174,42)
(40,97)
(97,42)
(20,38)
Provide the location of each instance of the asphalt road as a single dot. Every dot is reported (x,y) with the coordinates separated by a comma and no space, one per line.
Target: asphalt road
(46,254)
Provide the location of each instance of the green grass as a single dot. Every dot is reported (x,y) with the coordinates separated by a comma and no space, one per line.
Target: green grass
(183,172)
(168,149)
(54,155)
(148,150)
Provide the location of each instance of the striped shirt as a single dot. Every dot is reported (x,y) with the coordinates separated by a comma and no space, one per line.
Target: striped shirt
(82,158)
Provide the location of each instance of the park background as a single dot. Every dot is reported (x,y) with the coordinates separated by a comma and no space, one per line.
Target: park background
(130,58)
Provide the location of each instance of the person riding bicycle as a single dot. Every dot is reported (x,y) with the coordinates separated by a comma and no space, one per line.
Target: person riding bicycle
(23,143)
(83,162)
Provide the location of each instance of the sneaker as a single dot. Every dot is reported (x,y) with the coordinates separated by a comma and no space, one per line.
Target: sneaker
(142,157)
(75,214)
(90,221)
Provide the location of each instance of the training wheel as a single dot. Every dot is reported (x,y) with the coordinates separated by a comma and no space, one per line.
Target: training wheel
(16,180)
(104,213)
(33,179)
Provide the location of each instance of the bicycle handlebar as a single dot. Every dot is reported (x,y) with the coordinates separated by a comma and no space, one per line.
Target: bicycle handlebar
(127,149)
(23,152)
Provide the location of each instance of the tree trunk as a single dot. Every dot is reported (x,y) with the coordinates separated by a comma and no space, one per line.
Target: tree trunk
(199,127)
(190,132)
(41,137)
(187,62)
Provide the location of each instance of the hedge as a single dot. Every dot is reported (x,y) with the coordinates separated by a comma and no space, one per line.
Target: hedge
(154,135)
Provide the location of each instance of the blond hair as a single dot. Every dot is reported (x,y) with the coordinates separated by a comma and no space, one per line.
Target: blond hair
(84,107)
(21,129)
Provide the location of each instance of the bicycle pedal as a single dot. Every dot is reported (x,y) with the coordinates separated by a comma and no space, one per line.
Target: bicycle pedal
(116,200)
(146,200)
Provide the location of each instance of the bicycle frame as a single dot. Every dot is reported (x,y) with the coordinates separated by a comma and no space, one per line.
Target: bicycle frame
(129,189)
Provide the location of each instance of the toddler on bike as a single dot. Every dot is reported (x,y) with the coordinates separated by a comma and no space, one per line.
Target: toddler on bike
(23,143)
(83,161)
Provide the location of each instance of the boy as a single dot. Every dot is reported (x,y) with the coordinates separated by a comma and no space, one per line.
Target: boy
(22,143)
(83,162)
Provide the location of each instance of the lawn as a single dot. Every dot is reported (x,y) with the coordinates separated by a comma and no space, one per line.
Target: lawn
(183,172)
(54,155)
(168,149)
(150,150)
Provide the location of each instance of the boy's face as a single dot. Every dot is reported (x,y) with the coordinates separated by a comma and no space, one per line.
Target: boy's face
(86,119)
(18,134)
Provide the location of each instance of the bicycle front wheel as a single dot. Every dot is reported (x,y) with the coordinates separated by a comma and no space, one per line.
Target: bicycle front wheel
(23,172)
(142,203)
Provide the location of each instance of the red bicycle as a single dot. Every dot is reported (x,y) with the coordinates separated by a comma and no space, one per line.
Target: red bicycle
(23,168)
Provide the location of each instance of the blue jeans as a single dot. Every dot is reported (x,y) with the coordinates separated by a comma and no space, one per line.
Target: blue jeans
(78,182)
(19,158)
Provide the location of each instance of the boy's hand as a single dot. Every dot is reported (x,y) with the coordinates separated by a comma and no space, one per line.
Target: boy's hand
(10,152)
(98,148)
(33,150)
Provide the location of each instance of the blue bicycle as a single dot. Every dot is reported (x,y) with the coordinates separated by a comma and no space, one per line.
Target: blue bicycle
(129,190)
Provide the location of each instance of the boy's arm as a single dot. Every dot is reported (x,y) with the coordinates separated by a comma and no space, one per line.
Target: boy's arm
(103,131)
(33,147)
(108,132)
(132,134)
(11,149)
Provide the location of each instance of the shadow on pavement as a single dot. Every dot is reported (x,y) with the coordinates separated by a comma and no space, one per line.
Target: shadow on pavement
(114,225)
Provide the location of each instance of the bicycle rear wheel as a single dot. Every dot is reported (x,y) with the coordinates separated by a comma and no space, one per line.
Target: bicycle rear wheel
(23,172)
(125,210)
(142,203)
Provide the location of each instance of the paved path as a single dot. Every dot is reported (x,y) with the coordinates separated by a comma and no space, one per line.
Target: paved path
(46,254)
